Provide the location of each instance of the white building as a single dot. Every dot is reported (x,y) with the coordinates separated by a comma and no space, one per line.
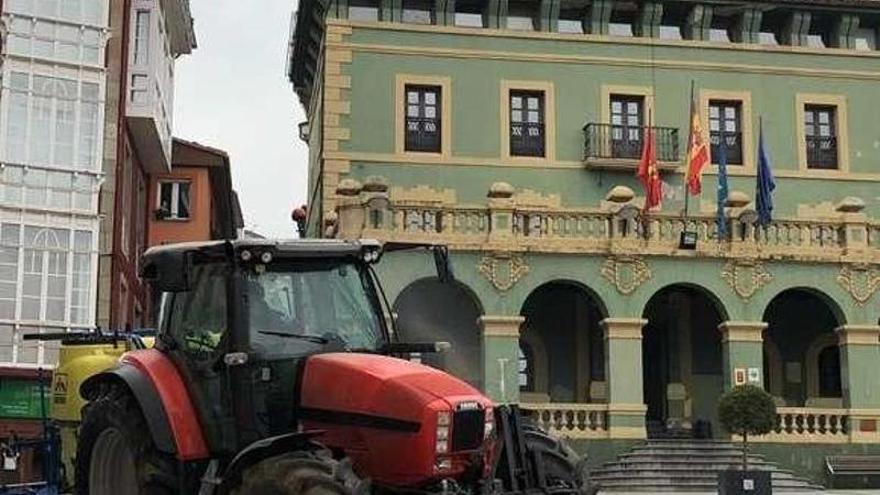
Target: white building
(51,145)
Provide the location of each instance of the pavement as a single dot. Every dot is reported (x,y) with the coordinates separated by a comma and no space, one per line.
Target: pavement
(826,492)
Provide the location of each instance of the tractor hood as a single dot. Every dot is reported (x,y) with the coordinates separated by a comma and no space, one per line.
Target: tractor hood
(379,387)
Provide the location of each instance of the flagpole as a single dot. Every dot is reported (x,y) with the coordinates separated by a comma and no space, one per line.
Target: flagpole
(688,151)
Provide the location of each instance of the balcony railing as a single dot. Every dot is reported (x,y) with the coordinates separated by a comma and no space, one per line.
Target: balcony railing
(809,425)
(615,142)
(570,420)
(822,152)
(503,223)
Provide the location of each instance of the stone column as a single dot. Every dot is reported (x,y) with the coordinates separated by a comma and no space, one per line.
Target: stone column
(623,376)
(500,349)
(742,348)
(859,355)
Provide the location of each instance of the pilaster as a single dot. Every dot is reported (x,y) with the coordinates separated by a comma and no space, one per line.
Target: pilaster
(699,22)
(338,9)
(623,375)
(548,16)
(598,17)
(648,22)
(859,355)
(795,29)
(495,14)
(748,26)
(742,349)
(444,12)
(391,10)
(500,347)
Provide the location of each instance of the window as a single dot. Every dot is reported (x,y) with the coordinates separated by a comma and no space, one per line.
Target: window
(43,115)
(174,201)
(821,136)
(56,41)
(142,38)
(363,10)
(866,39)
(417,12)
(527,123)
(423,118)
(521,15)
(725,130)
(626,126)
(829,372)
(76,11)
(198,317)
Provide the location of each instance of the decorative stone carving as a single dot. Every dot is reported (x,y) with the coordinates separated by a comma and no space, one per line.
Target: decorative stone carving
(860,281)
(503,270)
(851,204)
(626,273)
(376,183)
(746,277)
(349,187)
(500,190)
(620,194)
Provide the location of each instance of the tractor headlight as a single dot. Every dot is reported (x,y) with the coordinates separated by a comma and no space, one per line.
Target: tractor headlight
(489,427)
(444,421)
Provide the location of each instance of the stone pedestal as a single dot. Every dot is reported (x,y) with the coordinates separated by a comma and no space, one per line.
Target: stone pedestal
(623,375)
(742,349)
(500,347)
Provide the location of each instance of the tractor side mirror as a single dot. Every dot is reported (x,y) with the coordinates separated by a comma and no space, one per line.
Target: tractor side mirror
(168,272)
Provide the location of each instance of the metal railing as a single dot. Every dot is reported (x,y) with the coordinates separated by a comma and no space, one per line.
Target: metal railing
(607,141)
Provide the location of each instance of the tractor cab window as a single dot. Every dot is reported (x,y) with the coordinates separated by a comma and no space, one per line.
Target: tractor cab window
(197,318)
(298,308)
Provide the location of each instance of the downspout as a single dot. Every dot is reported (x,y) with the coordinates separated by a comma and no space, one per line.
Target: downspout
(121,138)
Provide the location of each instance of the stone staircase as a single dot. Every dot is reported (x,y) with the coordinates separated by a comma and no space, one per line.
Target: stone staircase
(686,466)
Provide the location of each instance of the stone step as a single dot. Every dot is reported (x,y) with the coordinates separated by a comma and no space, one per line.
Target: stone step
(642,472)
(686,466)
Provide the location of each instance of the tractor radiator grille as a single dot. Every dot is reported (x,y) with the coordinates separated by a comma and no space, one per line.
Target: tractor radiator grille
(467,430)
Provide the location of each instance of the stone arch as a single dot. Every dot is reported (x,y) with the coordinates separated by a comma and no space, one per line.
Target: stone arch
(562,320)
(801,324)
(683,376)
(429,310)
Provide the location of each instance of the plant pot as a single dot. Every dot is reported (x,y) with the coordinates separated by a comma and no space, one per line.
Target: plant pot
(737,482)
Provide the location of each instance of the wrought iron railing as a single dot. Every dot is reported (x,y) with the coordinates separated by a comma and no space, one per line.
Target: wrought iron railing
(607,141)
(822,152)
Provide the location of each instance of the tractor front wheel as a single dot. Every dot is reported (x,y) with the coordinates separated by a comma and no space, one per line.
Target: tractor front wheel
(301,473)
(115,453)
(563,468)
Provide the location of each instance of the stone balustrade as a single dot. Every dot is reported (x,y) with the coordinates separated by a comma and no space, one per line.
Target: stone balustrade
(503,223)
(809,425)
(570,420)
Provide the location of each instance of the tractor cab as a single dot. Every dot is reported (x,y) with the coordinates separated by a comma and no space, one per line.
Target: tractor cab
(238,317)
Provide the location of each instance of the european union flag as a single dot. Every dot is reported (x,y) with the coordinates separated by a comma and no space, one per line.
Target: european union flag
(723,191)
(765,185)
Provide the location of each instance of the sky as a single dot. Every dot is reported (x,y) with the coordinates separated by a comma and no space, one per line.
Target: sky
(231,93)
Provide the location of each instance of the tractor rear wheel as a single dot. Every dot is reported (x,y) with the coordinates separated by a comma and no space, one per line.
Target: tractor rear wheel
(115,453)
(301,473)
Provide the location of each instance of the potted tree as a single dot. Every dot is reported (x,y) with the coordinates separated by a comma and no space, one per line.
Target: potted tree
(746,410)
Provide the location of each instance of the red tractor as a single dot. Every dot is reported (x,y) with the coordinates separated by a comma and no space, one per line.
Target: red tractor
(274,372)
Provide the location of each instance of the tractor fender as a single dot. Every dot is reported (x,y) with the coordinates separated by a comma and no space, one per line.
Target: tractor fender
(163,398)
(263,449)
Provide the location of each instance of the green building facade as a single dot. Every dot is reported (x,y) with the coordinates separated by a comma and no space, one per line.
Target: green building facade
(511,131)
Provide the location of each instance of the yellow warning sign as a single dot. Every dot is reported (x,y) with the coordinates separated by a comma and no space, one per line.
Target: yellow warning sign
(59,388)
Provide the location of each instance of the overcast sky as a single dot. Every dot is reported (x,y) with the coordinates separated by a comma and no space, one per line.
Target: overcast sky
(232,94)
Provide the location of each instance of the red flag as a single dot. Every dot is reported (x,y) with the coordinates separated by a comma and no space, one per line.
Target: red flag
(698,153)
(648,171)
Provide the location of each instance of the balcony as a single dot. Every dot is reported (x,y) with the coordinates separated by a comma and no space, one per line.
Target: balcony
(507,223)
(614,146)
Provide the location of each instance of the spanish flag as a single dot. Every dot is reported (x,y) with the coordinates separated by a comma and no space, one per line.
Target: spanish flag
(698,152)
